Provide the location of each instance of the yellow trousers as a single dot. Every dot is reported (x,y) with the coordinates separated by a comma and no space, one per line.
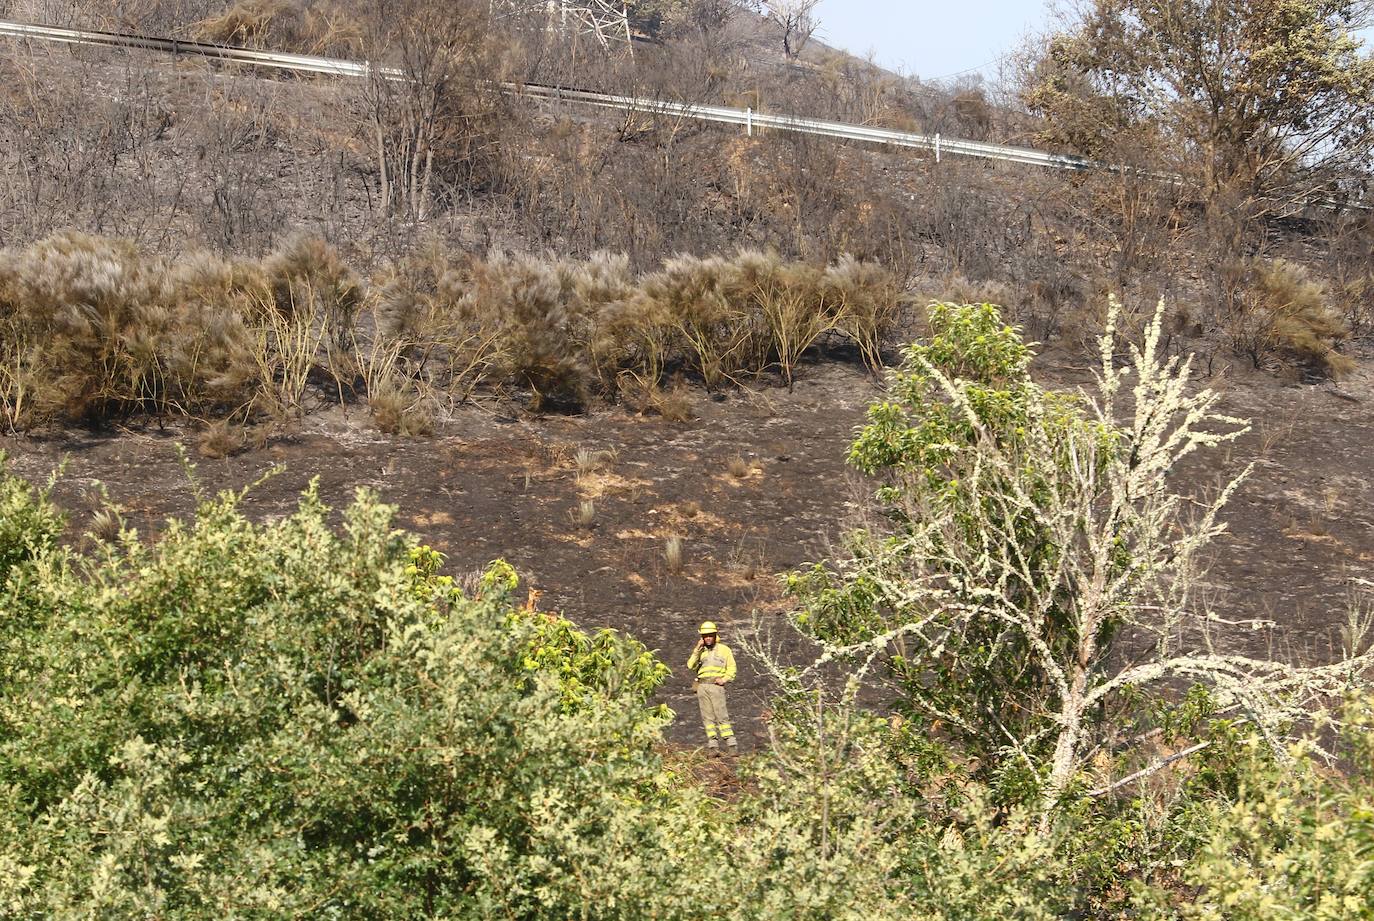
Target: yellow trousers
(714,714)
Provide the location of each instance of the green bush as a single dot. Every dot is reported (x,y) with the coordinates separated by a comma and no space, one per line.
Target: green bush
(288,720)
(294,722)
(922,449)
(29,523)
(858,817)
(1295,841)
(296,719)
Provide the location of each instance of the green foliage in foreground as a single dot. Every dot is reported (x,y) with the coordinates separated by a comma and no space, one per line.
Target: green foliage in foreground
(289,720)
(303,720)
(931,456)
(281,721)
(29,523)
(1297,841)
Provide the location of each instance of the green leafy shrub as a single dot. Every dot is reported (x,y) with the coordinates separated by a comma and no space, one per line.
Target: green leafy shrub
(857,817)
(1022,531)
(920,445)
(1293,839)
(298,722)
(297,719)
(29,523)
(293,720)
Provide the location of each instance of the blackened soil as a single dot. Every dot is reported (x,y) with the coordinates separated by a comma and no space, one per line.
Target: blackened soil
(492,485)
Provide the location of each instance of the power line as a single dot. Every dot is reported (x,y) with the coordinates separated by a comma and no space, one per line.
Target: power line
(959,73)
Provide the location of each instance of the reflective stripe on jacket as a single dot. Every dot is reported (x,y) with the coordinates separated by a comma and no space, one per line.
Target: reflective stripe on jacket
(713,663)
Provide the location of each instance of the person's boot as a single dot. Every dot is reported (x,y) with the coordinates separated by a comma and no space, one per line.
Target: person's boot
(713,750)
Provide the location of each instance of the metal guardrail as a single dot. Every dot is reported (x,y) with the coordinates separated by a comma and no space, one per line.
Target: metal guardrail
(755,120)
(747,118)
(296,62)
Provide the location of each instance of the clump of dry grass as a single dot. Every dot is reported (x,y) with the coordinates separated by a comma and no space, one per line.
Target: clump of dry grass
(795,305)
(869,304)
(309,27)
(585,514)
(92,329)
(429,327)
(543,329)
(712,330)
(397,410)
(1278,310)
(672,554)
(106,525)
(221,439)
(101,331)
(20,375)
(675,404)
(308,276)
(588,461)
(632,334)
(739,467)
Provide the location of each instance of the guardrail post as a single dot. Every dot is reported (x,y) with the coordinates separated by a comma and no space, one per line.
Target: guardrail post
(937,147)
(749,121)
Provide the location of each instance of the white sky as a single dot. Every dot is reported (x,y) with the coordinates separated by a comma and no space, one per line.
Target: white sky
(931,40)
(939,40)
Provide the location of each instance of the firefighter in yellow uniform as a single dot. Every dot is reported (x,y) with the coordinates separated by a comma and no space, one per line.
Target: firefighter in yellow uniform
(714,666)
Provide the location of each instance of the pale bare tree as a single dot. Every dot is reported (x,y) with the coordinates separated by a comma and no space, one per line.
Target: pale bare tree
(797,19)
(1126,560)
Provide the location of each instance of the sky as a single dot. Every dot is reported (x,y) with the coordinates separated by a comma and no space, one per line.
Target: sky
(941,40)
(931,40)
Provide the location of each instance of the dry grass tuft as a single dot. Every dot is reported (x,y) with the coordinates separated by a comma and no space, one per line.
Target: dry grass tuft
(585,515)
(398,411)
(869,304)
(542,328)
(588,461)
(308,277)
(675,405)
(106,525)
(1278,310)
(96,330)
(221,439)
(672,554)
(739,467)
(91,329)
(284,25)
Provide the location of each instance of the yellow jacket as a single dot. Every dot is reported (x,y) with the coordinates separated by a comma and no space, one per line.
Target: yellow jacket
(713,663)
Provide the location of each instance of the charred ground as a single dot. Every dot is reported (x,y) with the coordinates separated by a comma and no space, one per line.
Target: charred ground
(499,483)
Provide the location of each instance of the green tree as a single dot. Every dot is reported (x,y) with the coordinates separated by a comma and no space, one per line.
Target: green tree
(1261,100)
(1019,534)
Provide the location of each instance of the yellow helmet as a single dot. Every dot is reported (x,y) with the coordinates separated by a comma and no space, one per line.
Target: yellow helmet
(707,626)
